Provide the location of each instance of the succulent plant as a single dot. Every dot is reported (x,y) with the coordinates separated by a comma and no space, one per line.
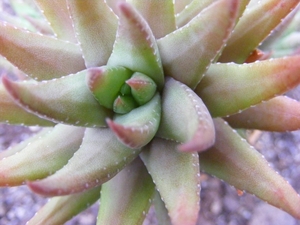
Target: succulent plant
(137,97)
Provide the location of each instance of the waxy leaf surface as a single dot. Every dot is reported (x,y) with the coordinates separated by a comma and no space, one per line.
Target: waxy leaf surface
(163,10)
(59,210)
(40,57)
(66,100)
(184,56)
(137,128)
(233,160)
(99,158)
(247,35)
(57,14)
(185,118)
(135,47)
(12,113)
(96,27)
(42,157)
(228,88)
(279,114)
(126,198)
(177,178)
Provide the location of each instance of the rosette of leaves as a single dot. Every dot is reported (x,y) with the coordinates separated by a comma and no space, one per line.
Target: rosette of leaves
(136,97)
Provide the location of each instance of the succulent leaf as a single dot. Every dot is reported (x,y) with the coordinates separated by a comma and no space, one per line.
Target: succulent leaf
(160,210)
(185,118)
(180,5)
(44,155)
(163,10)
(143,88)
(105,83)
(58,101)
(40,57)
(59,210)
(23,144)
(57,14)
(265,16)
(126,198)
(279,114)
(177,179)
(99,158)
(96,27)
(12,113)
(137,128)
(233,160)
(188,62)
(135,47)
(228,88)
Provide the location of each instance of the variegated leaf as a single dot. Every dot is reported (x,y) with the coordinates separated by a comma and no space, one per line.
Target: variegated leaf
(185,118)
(126,198)
(228,88)
(100,157)
(177,179)
(183,54)
(233,160)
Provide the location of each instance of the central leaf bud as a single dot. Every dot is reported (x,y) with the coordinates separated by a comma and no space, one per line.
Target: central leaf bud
(119,88)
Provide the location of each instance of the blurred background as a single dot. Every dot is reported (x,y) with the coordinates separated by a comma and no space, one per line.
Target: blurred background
(221,204)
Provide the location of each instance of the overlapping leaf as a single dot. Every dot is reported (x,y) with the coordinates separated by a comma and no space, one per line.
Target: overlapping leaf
(228,88)
(163,10)
(135,47)
(264,18)
(12,113)
(137,128)
(100,157)
(58,101)
(185,118)
(57,14)
(45,156)
(279,114)
(177,179)
(59,210)
(184,55)
(96,27)
(233,160)
(40,57)
(126,198)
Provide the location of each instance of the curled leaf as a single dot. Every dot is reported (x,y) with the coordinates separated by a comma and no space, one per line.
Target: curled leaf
(135,47)
(137,128)
(185,118)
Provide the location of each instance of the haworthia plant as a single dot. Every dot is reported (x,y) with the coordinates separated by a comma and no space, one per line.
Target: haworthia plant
(137,98)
